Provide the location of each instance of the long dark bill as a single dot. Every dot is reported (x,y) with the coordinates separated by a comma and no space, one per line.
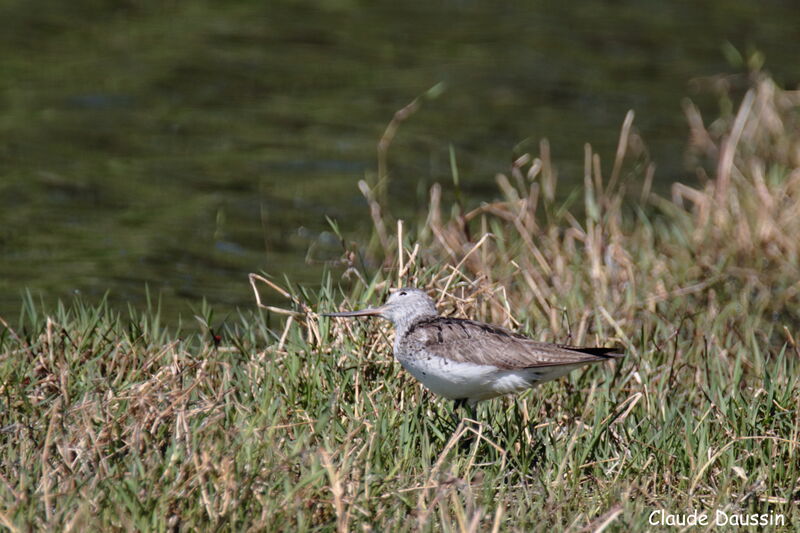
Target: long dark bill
(370,311)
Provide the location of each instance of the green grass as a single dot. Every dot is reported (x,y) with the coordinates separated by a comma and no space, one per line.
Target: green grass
(297,422)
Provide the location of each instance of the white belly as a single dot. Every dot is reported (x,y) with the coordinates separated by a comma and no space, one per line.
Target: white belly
(471,381)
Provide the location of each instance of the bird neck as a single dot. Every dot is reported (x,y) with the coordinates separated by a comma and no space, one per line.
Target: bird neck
(404,324)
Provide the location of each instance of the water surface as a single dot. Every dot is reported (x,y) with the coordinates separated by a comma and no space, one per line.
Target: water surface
(180,145)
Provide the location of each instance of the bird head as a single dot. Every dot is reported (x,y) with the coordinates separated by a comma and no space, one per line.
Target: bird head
(403,307)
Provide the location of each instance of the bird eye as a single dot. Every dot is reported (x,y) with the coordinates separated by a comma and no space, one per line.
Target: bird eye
(403,293)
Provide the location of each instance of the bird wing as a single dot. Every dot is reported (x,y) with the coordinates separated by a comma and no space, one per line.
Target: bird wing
(485,344)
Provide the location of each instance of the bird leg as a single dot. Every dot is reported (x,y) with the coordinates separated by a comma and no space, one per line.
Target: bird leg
(472,410)
(467,439)
(464,403)
(457,404)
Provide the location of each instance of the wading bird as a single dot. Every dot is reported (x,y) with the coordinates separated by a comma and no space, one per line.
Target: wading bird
(469,361)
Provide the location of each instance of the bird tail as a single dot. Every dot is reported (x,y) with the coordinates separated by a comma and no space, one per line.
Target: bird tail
(606,353)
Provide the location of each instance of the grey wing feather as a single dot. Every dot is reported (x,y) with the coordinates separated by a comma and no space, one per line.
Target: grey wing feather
(479,343)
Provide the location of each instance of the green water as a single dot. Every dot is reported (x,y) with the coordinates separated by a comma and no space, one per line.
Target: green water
(180,145)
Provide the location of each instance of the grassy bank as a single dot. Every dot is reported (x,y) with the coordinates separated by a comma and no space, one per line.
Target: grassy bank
(111,421)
